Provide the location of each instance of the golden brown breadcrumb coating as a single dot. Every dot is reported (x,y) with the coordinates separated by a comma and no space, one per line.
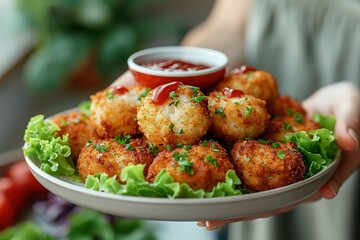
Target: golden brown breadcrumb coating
(285,105)
(267,166)
(235,118)
(279,127)
(114,113)
(260,84)
(201,167)
(182,118)
(111,155)
(79,129)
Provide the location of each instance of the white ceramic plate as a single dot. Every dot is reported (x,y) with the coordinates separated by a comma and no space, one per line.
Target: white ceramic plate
(182,209)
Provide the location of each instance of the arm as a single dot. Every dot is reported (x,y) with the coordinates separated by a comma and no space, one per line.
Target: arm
(223,30)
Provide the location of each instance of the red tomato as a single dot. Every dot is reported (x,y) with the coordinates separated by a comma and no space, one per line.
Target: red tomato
(6,212)
(14,192)
(20,173)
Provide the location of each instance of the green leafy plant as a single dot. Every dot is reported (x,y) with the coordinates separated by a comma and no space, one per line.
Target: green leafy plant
(87,42)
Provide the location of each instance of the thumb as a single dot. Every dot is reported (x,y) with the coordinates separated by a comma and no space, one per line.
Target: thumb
(347,126)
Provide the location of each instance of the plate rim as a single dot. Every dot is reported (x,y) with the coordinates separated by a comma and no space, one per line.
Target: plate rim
(62,183)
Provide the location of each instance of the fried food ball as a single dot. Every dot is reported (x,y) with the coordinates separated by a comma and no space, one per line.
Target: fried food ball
(285,105)
(111,155)
(113,110)
(258,83)
(201,167)
(174,113)
(279,127)
(79,129)
(267,166)
(237,117)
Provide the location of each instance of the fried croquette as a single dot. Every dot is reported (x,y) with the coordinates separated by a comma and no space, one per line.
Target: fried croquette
(279,127)
(202,166)
(267,166)
(286,105)
(258,83)
(111,155)
(174,113)
(113,110)
(238,117)
(79,129)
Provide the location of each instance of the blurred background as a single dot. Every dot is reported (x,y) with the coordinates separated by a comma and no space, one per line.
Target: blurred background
(55,53)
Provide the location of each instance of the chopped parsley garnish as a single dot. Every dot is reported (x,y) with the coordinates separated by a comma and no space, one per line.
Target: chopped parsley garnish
(184,162)
(187,147)
(248,75)
(204,143)
(281,155)
(153,149)
(129,147)
(173,94)
(143,94)
(247,111)
(220,112)
(197,96)
(85,107)
(198,99)
(169,147)
(195,90)
(63,121)
(110,95)
(171,127)
(179,145)
(210,159)
(275,145)
(287,126)
(214,148)
(122,139)
(263,141)
(100,148)
(176,103)
(298,118)
(247,159)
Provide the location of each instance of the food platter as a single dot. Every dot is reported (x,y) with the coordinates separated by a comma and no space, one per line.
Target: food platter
(182,209)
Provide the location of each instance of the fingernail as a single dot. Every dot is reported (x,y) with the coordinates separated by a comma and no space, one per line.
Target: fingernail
(211,227)
(334,187)
(353,134)
(201,223)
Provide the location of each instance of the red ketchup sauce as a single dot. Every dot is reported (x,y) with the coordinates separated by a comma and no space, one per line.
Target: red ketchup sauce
(119,90)
(231,93)
(161,93)
(243,70)
(174,65)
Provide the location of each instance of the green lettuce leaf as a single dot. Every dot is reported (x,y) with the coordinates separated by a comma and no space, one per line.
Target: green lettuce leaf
(318,148)
(163,185)
(42,143)
(325,121)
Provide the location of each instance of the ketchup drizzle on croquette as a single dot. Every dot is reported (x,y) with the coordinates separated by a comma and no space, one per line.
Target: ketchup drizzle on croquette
(161,93)
(243,70)
(119,90)
(231,93)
